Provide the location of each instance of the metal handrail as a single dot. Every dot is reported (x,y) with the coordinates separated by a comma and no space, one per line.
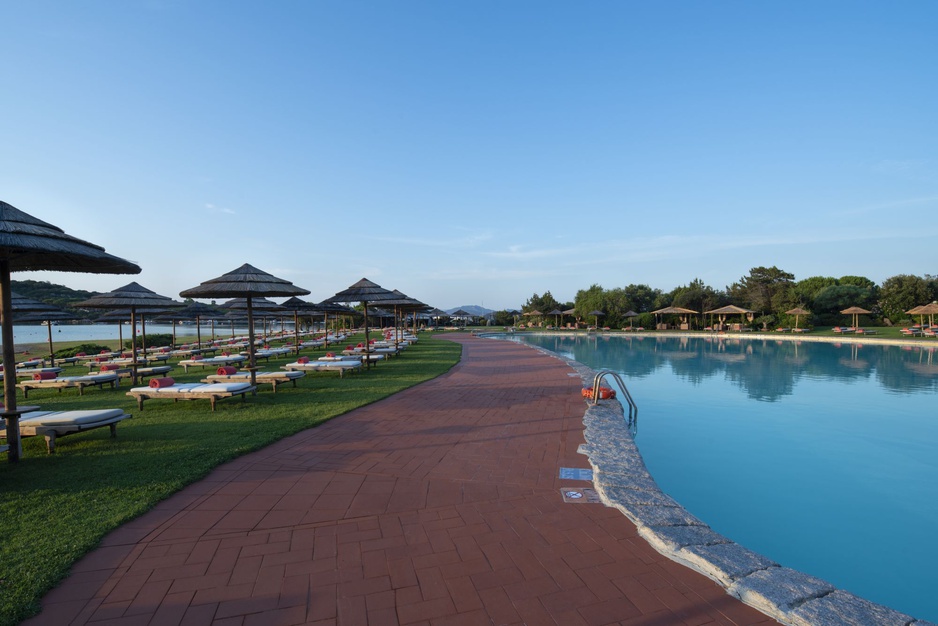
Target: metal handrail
(597,379)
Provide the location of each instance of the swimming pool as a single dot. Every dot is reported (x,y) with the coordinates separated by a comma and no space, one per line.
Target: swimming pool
(821,456)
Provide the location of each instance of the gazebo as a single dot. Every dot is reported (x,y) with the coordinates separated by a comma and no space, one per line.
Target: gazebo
(730,309)
(674,310)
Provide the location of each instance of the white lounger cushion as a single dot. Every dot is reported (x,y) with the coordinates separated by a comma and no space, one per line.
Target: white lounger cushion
(65,418)
(208,388)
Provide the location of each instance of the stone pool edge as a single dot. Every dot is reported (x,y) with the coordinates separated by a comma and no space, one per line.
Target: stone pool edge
(623,482)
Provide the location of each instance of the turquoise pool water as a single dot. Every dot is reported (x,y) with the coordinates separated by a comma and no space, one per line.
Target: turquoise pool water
(821,456)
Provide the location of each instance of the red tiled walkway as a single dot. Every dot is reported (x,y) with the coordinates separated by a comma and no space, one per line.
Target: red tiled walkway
(440,505)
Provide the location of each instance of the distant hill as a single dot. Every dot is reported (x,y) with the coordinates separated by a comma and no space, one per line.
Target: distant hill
(50,293)
(471,309)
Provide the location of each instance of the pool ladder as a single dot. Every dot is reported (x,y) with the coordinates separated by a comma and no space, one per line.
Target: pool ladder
(597,380)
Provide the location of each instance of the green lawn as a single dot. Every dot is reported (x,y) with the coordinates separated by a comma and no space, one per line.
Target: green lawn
(55,508)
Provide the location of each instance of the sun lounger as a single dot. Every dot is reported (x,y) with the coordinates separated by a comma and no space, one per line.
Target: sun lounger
(213,392)
(341,366)
(266,354)
(215,361)
(68,382)
(54,424)
(271,378)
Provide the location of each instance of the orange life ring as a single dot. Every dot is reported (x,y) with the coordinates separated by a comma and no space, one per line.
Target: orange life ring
(605,393)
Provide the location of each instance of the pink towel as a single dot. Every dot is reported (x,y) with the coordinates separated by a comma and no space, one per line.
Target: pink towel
(43,375)
(159,383)
(226,370)
(110,367)
(303,359)
(197,357)
(226,354)
(330,354)
(80,354)
(105,352)
(361,345)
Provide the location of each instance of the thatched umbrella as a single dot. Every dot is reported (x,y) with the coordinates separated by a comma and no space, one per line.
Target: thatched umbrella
(132,297)
(401,305)
(29,310)
(237,310)
(930,309)
(630,314)
(797,312)
(246,282)
(298,306)
(156,314)
(596,315)
(29,244)
(363,291)
(557,313)
(325,307)
(856,312)
(194,311)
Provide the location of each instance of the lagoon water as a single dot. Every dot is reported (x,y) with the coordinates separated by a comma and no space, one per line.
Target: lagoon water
(103,332)
(821,456)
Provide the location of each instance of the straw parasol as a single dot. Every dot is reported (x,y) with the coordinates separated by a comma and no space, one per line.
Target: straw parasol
(132,297)
(236,309)
(930,309)
(29,244)
(557,313)
(363,291)
(195,311)
(246,282)
(856,312)
(29,310)
(630,314)
(402,304)
(597,315)
(797,312)
(298,306)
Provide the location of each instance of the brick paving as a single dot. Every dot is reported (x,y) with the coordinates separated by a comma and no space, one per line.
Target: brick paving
(440,505)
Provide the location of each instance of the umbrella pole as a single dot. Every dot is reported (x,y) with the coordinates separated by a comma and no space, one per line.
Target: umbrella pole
(51,351)
(251,366)
(133,345)
(296,332)
(9,364)
(198,331)
(367,355)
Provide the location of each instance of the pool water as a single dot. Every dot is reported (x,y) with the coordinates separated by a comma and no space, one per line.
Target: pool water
(820,456)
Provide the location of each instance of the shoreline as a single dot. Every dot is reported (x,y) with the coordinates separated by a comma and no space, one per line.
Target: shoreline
(623,482)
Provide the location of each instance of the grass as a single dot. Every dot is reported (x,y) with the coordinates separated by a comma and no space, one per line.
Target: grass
(56,508)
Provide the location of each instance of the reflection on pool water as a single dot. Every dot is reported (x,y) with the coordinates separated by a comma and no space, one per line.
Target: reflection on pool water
(821,456)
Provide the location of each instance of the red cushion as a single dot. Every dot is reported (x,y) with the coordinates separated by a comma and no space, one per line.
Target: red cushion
(158,383)
(43,375)
(226,370)
(303,359)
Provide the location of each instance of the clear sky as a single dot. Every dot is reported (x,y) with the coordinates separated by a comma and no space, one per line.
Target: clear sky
(476,152)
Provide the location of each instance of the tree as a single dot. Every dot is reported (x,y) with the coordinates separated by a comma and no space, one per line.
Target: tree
(758,291)
(641,297)
(900,293)
(543,303)
(587,300)
(830,301)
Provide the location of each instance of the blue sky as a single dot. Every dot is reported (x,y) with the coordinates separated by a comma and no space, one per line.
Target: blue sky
(476,152)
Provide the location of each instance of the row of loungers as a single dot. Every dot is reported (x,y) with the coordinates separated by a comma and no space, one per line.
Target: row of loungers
(225,383)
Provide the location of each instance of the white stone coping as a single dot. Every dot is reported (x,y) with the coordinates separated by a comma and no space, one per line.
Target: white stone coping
(622,481)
